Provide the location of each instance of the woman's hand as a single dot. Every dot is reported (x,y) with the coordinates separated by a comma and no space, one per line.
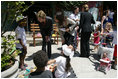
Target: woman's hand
(52,68)
(77,20)
(76,28)
(47,38)
(67,30)
(51,61)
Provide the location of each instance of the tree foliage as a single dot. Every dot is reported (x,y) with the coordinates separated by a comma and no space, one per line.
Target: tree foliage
(68,5)
(9,11)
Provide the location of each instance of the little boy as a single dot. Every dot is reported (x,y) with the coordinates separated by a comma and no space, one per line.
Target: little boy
(40,60)
(21,37)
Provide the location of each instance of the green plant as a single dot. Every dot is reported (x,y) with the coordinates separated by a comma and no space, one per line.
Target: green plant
(9,51)
(9,11)
(68,5)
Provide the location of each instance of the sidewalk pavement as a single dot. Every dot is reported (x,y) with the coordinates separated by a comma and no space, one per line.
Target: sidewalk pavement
(83,67)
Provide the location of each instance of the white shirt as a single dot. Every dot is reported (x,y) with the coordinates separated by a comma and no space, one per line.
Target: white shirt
(61,64)
(71,28)
(75,17)
(111,14)
(114,33)
(20,34)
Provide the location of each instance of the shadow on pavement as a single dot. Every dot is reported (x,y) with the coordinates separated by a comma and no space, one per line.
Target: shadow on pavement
(36,44)
(55,55)
(76,54)
(39,44)
(94,58)
(29,58)
(60,48)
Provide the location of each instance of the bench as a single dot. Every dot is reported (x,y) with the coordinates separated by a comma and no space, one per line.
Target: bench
(35,28)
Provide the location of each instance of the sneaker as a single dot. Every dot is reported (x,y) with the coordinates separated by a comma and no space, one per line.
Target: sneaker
(93,50)
(105,72)
(25,65)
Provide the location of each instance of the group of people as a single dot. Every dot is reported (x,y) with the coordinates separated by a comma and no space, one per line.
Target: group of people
(105,36)
(69,29)
(73,25)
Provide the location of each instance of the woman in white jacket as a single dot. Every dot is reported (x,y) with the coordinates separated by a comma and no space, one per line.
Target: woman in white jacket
(66,25)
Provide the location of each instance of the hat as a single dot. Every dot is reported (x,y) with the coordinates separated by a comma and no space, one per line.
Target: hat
(97,23)
(67,51)
(19,18)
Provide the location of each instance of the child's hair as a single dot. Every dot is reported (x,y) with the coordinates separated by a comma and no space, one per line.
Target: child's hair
(98,28)
(40,59)
(108,24)
(22,21)
(74,8)
(41,14)
(86,7)
(60,17)
(67,63)
(104,54)
(105,12)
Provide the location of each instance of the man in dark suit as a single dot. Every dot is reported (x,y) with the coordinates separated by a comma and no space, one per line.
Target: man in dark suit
(46,28)
(86,30)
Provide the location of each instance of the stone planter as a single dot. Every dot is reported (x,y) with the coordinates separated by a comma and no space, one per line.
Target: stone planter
(11,72)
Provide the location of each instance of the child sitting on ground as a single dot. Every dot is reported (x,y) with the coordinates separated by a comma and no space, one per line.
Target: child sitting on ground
(40,60)
(63,62)
(104,63)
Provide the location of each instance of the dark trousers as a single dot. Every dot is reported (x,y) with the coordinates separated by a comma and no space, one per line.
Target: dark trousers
(69,39)
(85,48)
(48,46)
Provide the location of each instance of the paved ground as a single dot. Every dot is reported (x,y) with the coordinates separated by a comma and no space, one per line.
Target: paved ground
(83,67)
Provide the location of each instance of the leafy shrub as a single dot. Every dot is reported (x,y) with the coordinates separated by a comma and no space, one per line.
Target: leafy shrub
(9,52)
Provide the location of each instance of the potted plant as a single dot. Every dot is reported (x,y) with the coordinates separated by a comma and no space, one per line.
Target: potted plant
(9,65)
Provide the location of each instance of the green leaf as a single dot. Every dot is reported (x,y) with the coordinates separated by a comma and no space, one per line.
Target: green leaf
(12,9)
